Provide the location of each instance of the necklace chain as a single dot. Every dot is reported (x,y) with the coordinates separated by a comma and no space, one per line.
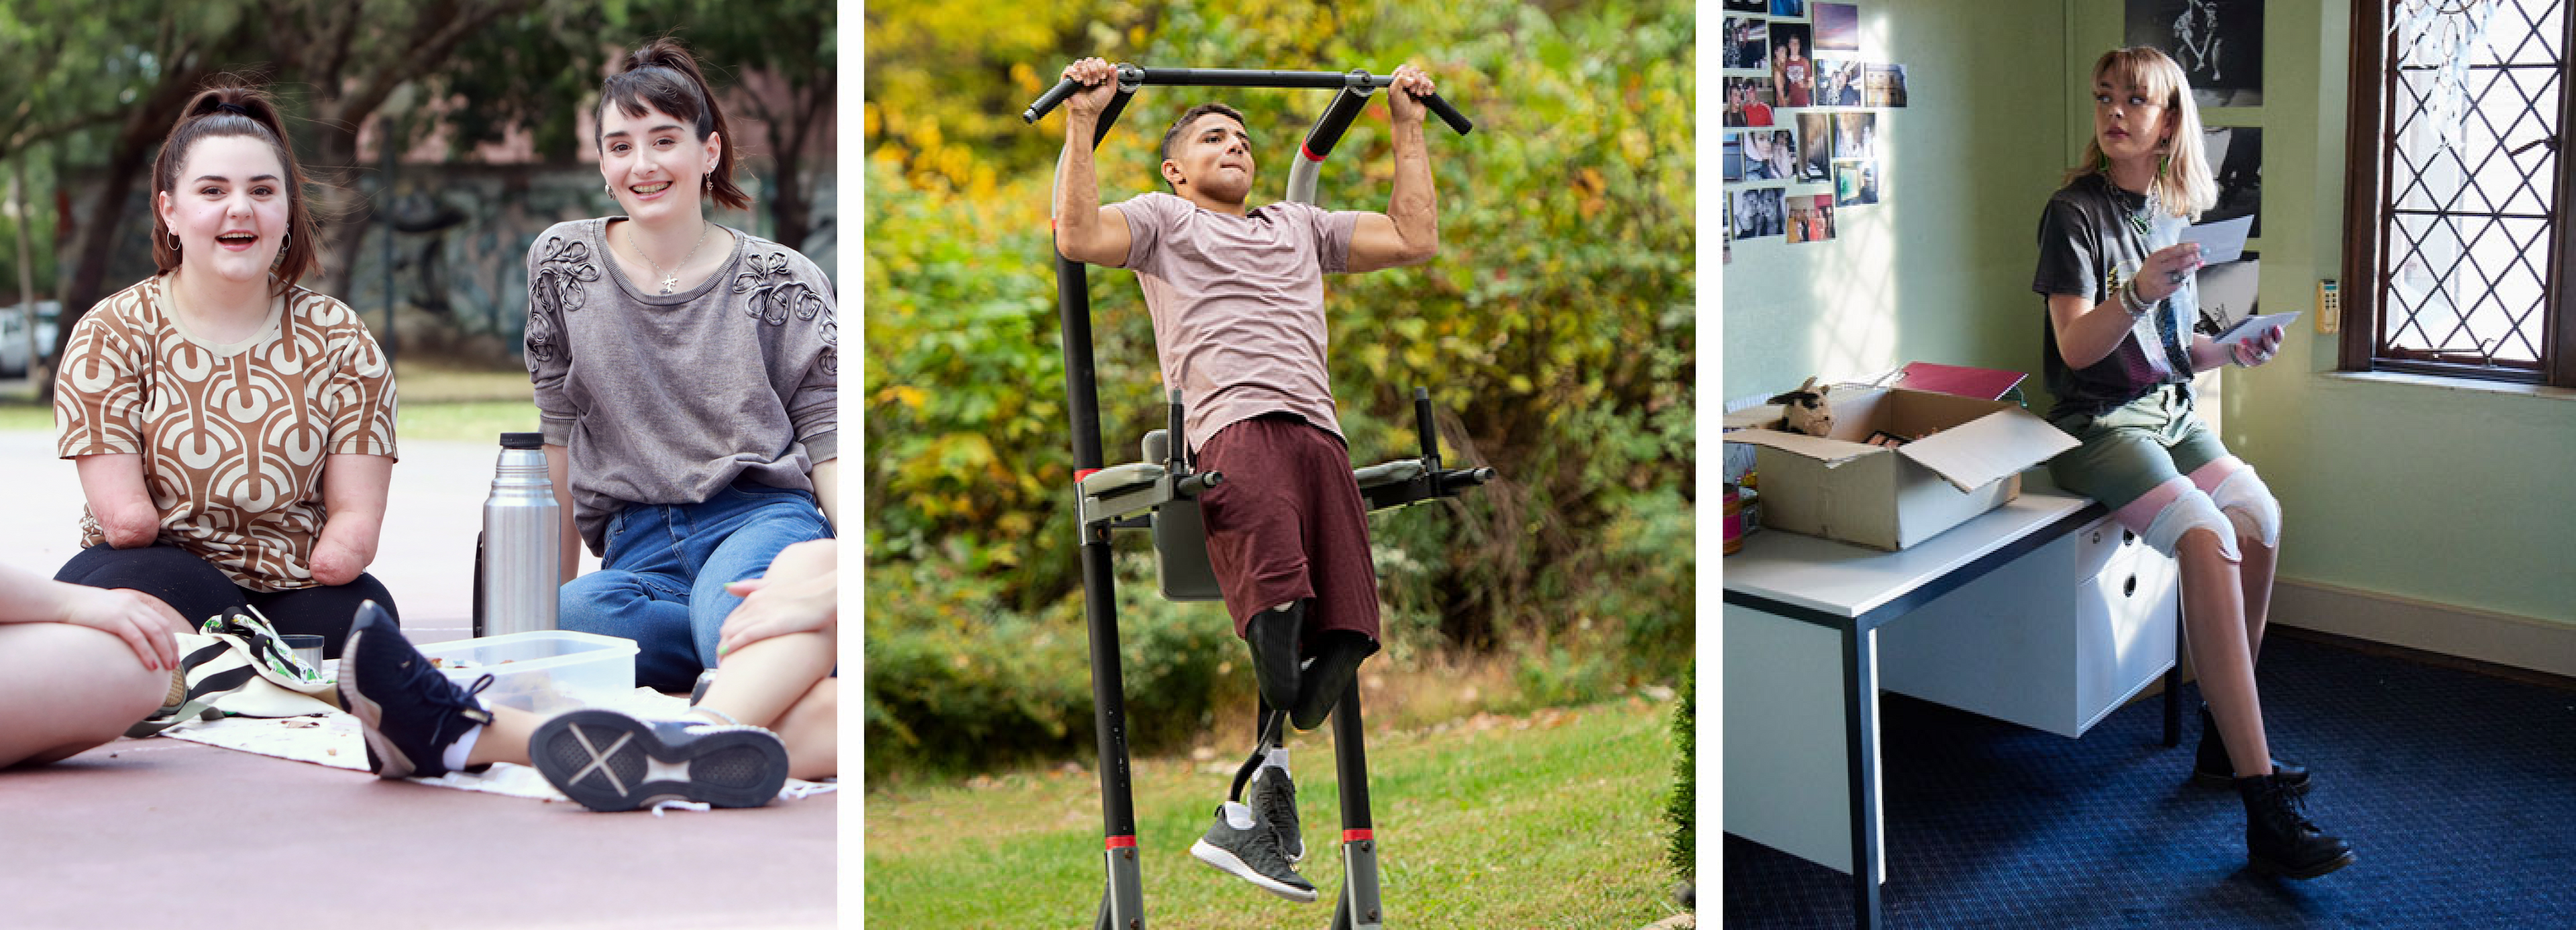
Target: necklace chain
(671,280)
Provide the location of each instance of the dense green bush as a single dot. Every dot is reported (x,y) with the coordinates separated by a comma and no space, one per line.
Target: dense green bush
(1555,331)
(961,682)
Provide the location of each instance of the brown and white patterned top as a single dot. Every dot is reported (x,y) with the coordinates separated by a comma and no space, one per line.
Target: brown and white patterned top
(233,436)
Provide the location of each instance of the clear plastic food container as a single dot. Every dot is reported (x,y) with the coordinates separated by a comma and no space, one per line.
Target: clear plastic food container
(540,671)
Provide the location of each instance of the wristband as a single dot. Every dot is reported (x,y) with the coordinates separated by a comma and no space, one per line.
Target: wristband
(2130,301)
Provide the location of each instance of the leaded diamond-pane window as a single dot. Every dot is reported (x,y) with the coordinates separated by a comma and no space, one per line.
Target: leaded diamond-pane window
(2469,191)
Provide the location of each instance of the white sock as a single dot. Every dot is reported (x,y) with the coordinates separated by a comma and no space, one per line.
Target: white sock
(1236,815)
(454,757)
(1278,756)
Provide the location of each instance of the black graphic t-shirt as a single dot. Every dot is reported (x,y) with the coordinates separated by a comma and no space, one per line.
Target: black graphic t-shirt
(2087,248)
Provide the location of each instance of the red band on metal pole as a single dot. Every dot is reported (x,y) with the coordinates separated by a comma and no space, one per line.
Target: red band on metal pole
(1309,153)
(1122,842)
(1081,473)
(1353,836)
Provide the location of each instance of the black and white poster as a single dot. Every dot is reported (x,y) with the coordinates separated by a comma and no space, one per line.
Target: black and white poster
(2218,43)
(2236,159)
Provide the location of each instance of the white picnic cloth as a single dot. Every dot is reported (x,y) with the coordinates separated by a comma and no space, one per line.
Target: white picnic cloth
(332,738)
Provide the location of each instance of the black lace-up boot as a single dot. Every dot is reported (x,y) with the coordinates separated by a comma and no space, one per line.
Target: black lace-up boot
(2279,838)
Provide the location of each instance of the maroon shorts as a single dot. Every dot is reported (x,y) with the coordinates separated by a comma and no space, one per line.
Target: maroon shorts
(1287,523)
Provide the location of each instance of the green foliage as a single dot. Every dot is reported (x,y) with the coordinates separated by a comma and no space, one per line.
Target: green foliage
(1683,810)
(957,681)
(1555,329)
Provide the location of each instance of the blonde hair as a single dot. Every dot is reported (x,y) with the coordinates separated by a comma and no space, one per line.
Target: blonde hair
(2190,186)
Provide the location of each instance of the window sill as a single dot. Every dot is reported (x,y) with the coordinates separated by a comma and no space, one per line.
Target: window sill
(2471,385)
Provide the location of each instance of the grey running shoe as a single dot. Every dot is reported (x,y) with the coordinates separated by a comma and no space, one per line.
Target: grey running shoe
(1252,854)
(613,761)
(1274,801)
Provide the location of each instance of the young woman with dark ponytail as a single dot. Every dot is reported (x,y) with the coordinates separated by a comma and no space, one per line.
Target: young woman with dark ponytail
(234,432)
(686,375)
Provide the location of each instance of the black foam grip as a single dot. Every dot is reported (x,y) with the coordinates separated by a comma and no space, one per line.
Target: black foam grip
(1048,100)
(1448,114)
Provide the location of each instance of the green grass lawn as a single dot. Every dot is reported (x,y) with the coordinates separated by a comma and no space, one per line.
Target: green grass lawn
(1550,820)
(437,403)
(466,421)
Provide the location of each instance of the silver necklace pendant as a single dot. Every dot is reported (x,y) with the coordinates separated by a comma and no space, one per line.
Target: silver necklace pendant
(670,284)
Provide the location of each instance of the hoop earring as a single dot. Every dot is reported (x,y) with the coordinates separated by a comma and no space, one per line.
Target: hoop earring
(174,242)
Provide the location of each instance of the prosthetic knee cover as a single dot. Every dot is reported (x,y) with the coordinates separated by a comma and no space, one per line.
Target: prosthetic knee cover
(2250,505)
(2163,515)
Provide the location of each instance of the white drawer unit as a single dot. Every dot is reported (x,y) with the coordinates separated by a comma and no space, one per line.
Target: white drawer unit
(2055,641)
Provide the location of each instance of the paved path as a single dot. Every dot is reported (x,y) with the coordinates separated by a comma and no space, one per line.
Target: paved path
(164,833)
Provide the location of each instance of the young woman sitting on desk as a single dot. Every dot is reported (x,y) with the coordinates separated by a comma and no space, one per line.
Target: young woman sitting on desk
(2120,355)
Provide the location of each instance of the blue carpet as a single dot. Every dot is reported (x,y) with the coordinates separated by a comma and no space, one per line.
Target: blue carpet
(2457,791)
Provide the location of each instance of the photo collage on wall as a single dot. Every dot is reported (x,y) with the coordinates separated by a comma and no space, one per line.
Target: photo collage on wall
(1802,117)
(2219,44)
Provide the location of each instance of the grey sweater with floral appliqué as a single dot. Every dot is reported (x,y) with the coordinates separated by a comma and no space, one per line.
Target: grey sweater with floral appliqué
(667,399)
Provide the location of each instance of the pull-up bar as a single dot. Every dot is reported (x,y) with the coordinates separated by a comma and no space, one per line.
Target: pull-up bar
(1131,77)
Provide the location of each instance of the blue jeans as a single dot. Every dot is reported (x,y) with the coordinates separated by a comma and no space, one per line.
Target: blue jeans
(662,581)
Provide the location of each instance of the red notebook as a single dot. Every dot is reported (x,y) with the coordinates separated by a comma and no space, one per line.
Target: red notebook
(1980,383)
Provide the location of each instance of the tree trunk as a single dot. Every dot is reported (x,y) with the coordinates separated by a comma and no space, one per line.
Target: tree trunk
(350,210)
(126,162)
(791,207)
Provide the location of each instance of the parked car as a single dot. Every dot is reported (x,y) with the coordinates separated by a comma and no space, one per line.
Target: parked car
(13,335)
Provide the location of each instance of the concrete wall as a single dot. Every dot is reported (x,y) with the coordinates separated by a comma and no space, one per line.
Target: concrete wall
(461,246)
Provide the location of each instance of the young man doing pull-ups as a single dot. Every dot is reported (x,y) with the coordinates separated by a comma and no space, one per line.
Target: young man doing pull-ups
(1237,297)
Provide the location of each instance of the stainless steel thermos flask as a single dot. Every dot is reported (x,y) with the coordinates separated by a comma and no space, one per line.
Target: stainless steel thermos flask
(517,565)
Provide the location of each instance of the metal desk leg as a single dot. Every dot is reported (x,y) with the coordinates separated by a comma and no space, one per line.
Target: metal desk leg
(1860,727)
(2173,690)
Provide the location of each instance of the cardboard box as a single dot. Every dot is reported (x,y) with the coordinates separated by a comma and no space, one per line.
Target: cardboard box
(1965,457)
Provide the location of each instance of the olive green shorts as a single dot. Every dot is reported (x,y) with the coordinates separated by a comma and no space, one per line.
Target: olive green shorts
(2135,448)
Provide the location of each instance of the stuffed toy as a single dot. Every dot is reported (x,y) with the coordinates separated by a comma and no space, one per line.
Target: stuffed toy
(1806,410)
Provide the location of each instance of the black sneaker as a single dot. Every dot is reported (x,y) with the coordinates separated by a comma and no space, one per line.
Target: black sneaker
(2211,767)
(1327,675)
(1274,802)
(2279,838)
(411,713)
(1252,854)
(613,761)
(1273,637)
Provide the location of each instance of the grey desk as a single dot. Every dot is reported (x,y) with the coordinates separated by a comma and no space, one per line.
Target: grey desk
(1801,624)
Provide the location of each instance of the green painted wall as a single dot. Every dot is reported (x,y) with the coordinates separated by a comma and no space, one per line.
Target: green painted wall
(2454,496)
(1941,270)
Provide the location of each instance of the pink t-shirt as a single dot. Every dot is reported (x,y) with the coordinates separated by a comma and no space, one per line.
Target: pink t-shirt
(1238,305)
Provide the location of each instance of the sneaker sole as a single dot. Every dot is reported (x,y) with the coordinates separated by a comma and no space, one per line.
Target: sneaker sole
(1231,864)
(610,761)
(2273,868)
(382,757)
